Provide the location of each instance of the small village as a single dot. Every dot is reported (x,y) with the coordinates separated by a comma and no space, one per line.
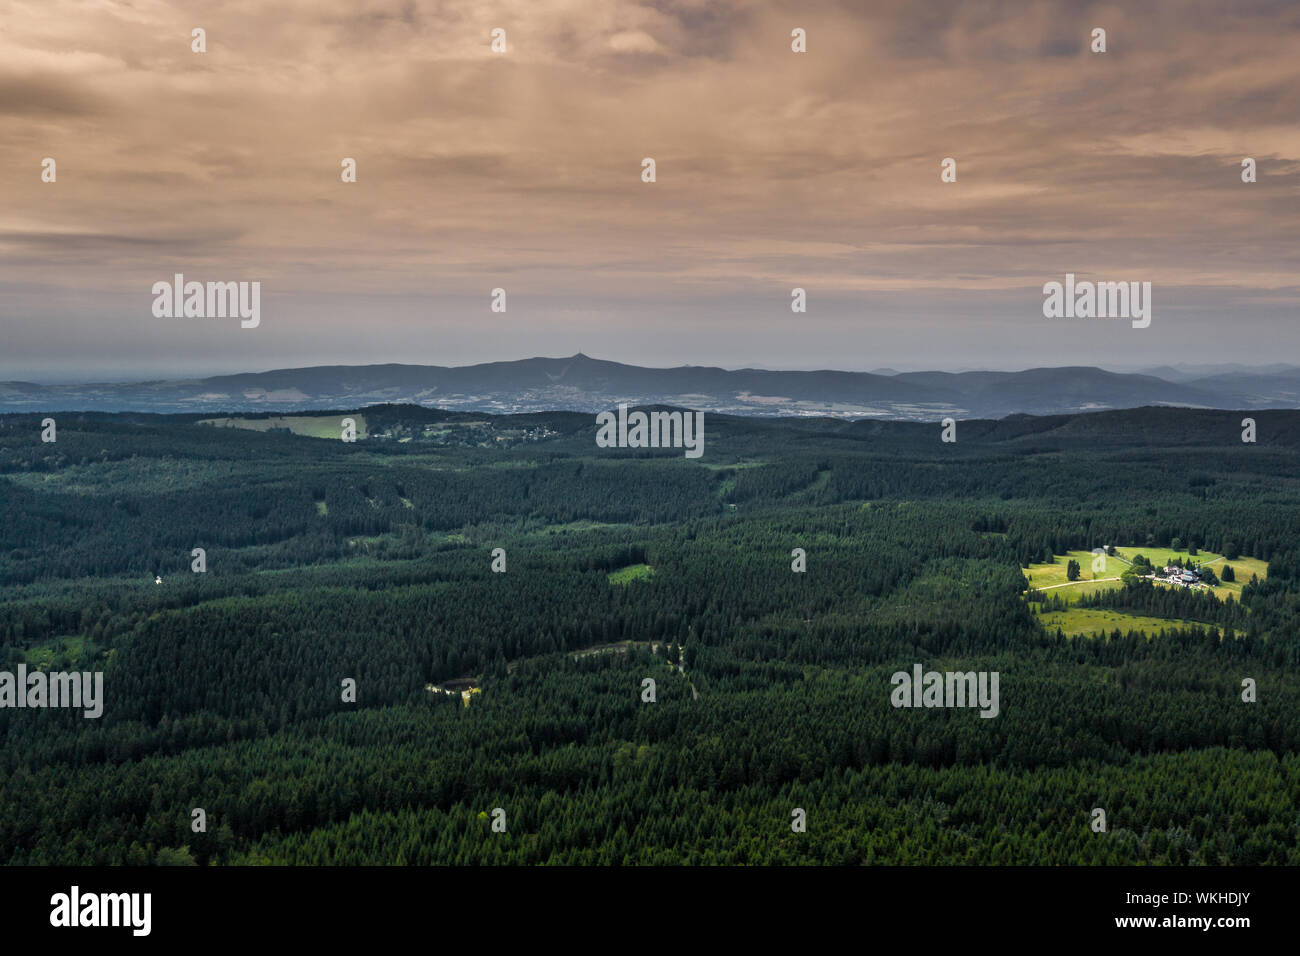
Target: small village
(1189,577)
(1179,574)
(1184,576)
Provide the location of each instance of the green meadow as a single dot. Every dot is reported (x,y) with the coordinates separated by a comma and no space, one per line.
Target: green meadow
(633,572)
(312,426)
(1088,622)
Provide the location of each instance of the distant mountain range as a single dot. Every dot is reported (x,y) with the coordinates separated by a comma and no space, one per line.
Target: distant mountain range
(581,383)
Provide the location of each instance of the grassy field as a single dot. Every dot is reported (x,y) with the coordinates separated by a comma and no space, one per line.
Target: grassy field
(633,572)
(1084,622)
(1244,568)
(65,650)
(1159,557)
(1053,576)
(1071,593)
(313,426)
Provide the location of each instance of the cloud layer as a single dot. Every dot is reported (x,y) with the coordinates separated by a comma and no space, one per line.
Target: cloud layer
(522,170)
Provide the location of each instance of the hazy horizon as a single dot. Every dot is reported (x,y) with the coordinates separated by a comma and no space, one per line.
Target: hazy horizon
(93,377)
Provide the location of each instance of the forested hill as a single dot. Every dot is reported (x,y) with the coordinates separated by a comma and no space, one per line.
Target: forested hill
(191,477)
(443,551)
(1153,425)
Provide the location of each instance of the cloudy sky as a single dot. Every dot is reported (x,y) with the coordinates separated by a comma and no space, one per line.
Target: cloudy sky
(522,170)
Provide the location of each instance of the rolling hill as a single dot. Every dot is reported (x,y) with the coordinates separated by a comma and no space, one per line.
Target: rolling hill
(582,383)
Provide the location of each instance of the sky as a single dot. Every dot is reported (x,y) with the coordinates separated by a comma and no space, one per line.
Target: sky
(522,170)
